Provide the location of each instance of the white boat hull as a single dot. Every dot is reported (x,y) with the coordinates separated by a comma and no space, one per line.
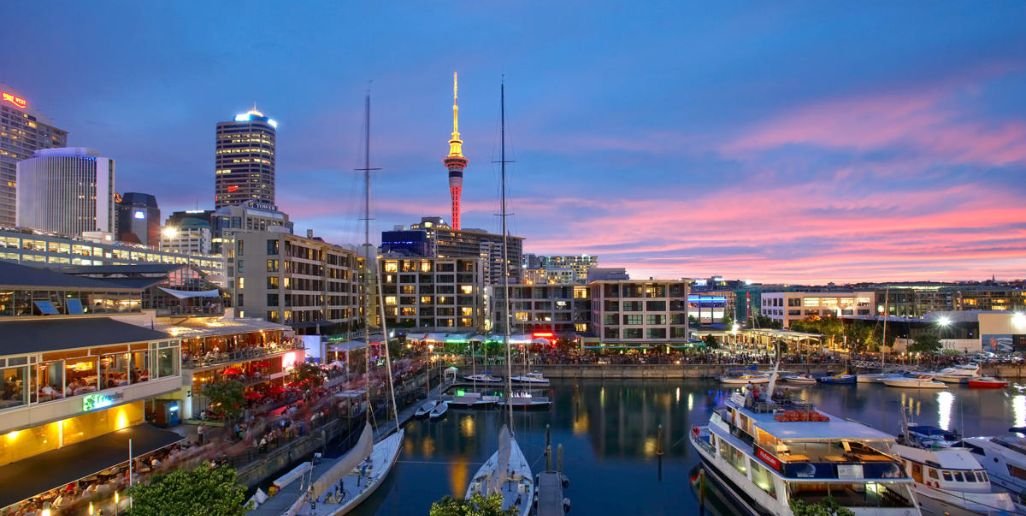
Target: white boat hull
(732,380)
(358,487)
(518,488)
(913,383)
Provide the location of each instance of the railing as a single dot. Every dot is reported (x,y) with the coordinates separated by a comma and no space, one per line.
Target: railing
(212,359)
(847,469)
(191,311)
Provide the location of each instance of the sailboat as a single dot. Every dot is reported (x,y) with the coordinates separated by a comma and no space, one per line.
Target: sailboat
(506,472)
(357,474)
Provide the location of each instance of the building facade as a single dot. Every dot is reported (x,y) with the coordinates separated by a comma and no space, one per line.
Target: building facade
(787,307)
(244,159)
(138,219)
(305,283)
(640,312)
(68,191)
(433,293)
(247,216)
(22,133)
(556,310)
(445,242)
(34,248)
(564,269)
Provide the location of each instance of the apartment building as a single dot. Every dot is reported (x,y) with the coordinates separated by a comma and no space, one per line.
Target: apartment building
(434,293)
(787,307)
(640,312)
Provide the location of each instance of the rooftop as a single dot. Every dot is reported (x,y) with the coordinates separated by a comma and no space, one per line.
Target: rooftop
(17,275)
(54,333)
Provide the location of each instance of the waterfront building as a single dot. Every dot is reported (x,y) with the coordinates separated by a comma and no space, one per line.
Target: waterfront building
(432,294)
(567,269)
(68,191)
(608,274)
(787,307)
(168,289)
(37,248)
(302,282)
(550,276)
(23,131)
(246,216)
(455,162)
(546,310)
(186,239)
(445,242)
(76,382)
(917,300)
(640,312)
(138,219)
(244,157)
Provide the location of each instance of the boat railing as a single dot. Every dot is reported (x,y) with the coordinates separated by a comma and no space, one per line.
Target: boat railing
(852,466)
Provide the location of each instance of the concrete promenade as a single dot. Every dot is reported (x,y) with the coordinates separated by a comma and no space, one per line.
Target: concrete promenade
(698,371)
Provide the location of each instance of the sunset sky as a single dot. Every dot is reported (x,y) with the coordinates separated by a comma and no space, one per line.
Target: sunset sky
(774,141)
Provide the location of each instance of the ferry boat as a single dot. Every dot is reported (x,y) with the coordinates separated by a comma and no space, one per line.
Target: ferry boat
(1004,458)
(769,454)
(948,479)
(463,399)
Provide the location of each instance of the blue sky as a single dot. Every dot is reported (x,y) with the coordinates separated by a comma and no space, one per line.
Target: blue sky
(792,141)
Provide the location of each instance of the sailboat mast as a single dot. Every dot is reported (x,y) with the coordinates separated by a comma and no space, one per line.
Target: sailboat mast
(887,312)
(505,255)
(366,253)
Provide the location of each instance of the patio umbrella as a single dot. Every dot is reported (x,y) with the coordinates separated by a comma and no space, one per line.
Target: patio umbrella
(232,371)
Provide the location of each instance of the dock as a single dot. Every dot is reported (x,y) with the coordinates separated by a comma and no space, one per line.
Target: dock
(550,494)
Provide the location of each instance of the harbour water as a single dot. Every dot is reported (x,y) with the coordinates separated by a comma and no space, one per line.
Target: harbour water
(610,434)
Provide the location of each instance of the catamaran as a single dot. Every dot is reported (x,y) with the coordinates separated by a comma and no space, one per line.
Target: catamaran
(506,473)
(771,453)
(356,475)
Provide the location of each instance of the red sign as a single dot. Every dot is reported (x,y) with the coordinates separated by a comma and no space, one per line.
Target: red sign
(765,456)
(233,189)
(543,334)
(11,98)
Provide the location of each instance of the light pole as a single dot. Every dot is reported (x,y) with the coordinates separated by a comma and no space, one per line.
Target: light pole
(431,356)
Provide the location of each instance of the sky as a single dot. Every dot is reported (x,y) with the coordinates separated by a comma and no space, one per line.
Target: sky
(798,142)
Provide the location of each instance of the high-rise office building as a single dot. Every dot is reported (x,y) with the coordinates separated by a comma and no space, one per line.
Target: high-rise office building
(22,132)
(138,219)
(244,160)
(68,191)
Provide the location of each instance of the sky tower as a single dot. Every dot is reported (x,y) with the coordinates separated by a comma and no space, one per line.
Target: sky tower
(455,161)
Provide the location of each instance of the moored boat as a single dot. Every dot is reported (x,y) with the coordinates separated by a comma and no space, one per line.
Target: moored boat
(425,408)
(1004,458)
(915,382)
(533,378)
(987,382)
(472,400)
(961,373)
(771,454)
(799,379)
(744,378)
(483,378)
(839,379)
(439,410)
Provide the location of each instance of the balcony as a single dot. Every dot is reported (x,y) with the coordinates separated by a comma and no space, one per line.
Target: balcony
(212,359)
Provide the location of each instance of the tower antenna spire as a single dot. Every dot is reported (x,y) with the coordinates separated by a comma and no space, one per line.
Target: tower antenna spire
(455,162)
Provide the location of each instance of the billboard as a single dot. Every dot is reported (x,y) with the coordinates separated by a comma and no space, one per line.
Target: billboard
(1003,342)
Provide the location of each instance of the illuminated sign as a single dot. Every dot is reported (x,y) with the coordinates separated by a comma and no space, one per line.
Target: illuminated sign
(233,188)
(288,360)
(100,400)
(139,214)
(17,101)
(768,458)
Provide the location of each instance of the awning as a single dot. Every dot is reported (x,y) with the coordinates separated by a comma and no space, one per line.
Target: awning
(188,294)
(35,475)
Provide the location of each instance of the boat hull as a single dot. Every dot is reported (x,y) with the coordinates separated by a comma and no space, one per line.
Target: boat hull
(848,379)
(915,384)
(987,384)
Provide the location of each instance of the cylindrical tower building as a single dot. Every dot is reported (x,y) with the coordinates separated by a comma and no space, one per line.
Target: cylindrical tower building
(455,162)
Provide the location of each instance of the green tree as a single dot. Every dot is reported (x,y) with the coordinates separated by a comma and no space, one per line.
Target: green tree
(828,507)
(926,343)
(201,491)
(308,374)
(476,506)
(226,397)
(711,342)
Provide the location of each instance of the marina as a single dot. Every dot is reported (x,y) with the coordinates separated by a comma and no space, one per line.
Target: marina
(609,431)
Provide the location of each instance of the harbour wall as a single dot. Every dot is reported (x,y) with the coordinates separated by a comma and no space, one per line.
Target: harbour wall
(696,371)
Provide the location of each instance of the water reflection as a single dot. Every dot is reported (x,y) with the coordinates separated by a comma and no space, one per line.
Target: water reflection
(609,431)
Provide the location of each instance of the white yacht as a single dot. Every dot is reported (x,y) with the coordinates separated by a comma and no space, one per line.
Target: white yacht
(526,400)
(920,381)
(958,374)
(799,379)
(507,473)
(483,378)
(948,479)
(1004,458)
(745,378)
(532,378)
(771,454)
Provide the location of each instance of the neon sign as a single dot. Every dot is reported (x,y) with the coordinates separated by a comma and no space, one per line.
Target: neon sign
(14,99)
(100,400)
